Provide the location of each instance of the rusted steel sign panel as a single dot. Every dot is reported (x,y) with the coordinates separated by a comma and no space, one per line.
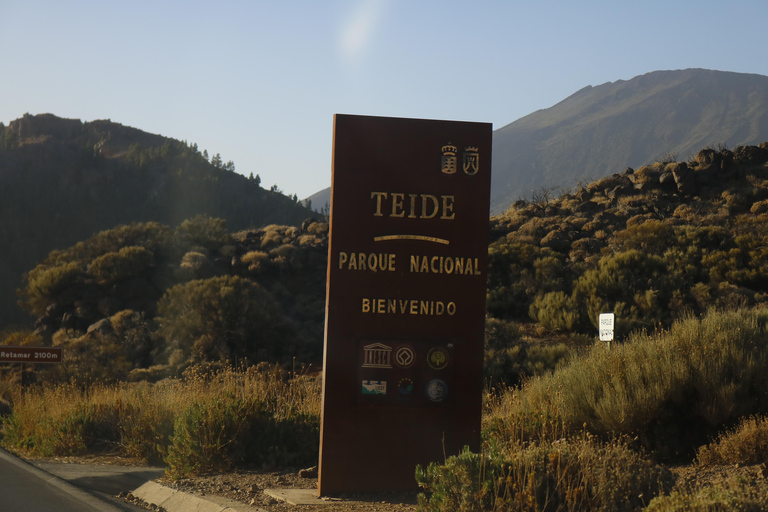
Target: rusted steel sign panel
(30,354)
(405,305)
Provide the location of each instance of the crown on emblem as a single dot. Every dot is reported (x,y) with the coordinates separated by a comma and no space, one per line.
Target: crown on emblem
(471,149)
(448,148)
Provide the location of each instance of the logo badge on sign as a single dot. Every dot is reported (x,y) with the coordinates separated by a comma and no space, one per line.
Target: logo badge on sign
(437,390)
(404,356)
(438,358)
(405,386)
(374,387)
(377,355)
(471,161)
(448,162)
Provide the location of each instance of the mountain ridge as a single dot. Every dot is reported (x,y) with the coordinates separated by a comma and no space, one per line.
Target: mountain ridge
(601,129)
(63,180)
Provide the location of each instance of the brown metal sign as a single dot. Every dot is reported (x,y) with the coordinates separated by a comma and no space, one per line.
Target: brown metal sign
(405,305)
(30,354)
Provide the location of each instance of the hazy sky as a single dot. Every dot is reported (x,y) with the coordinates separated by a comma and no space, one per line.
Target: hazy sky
(259,82)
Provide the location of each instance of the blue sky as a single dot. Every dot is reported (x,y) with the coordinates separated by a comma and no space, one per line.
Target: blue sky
(259,82)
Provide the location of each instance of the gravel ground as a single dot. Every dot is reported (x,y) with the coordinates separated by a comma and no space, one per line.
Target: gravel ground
(248,487)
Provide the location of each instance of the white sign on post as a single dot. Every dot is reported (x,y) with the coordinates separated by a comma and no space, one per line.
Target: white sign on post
(605,324)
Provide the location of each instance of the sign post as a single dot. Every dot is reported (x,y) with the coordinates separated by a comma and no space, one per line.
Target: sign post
(10,354)
(606,322)
(405,304)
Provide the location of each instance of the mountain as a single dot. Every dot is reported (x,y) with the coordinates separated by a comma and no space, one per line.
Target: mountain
(63,180)
(601,130)
(320,201)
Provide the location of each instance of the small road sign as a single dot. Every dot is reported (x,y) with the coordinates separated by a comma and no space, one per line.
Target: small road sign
(606,322)
(30,354)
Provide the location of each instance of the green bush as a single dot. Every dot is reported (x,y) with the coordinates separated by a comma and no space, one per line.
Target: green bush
(86,428)
(555,311)
(508,359)
(517,270)
(203,231)
(218,434)
(126,263)
(221,318)
(671,389)
(634,285)
(45,282)
(566,475)
(207,437)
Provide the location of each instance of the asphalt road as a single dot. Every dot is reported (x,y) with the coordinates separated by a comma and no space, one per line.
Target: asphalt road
(23,487)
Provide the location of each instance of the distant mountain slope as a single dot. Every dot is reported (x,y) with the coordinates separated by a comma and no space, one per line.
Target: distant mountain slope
(321,201)
(62,180)
(599,131)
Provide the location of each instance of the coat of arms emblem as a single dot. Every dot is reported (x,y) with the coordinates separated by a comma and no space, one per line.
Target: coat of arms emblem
(471,162)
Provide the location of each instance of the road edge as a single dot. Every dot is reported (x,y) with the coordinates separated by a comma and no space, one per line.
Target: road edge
(174,500)
(93,501)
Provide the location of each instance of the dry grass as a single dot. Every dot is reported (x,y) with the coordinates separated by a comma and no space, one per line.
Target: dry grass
(747,443)
(669,389)
(138,420)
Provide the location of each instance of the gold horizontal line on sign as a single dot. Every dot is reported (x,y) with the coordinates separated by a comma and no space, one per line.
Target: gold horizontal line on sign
(422,238)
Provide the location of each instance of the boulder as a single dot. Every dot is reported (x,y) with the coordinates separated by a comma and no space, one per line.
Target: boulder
(103,326)
(558,240)
(307,222)
(583,195)
(751,154)
(684,177)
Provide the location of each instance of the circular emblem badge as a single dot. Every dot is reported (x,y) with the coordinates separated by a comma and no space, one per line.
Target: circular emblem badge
(405,386)
(437,390)
(437,358)
(404,356)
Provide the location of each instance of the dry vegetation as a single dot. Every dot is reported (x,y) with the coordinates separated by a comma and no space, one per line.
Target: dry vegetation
(658,421)
(597,433)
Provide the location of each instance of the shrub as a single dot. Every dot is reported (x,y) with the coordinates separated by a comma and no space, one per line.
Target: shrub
(207,436)
(222,418)
(634,285)
(745,444)
(194,265)
(555,310)
(203,231)
(513,278)
(508,359)
(565,475)
(670,389)
(255,260)
(113,267)
(734,494)
(45,282)
(221,318)
(136,335)
(318,228)
(284,250)
(76,429)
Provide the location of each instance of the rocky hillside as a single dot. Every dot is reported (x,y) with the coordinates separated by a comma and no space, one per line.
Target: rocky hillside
(63,180)
(649,244)
(635,122)
(145,300)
